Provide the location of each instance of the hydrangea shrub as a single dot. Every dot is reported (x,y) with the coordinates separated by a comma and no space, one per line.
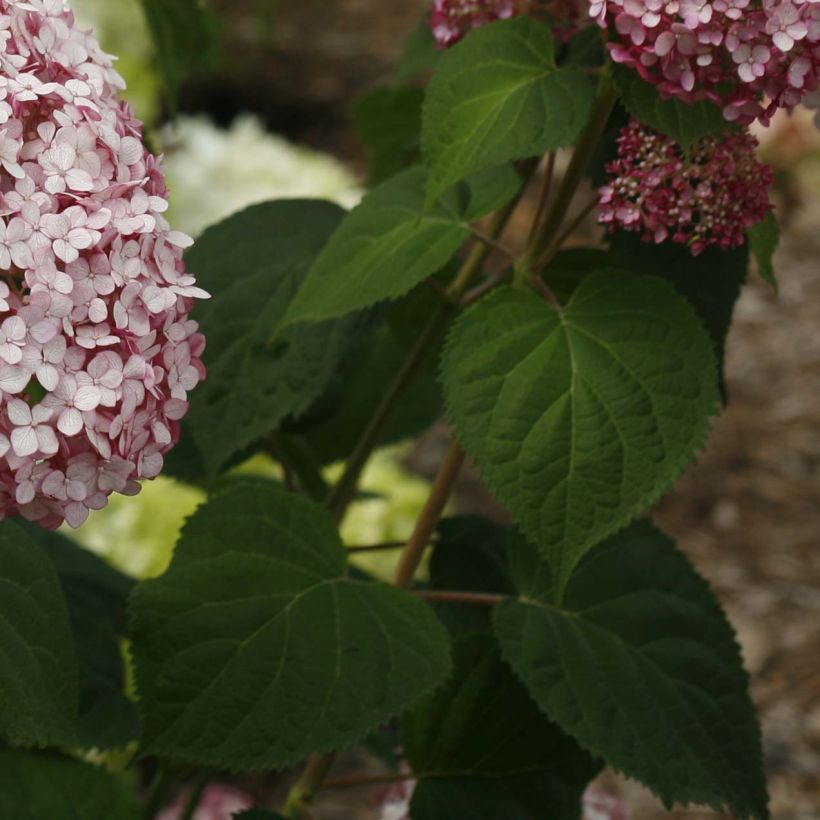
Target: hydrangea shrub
(506,659)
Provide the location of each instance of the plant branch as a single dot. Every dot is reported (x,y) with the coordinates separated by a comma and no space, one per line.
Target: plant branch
(458,597)
(549,173)
(307,787)
(345,490)
(430,515)
(200,784)
(157,795)
(565,234)
(387,545)
(491,243)
(356,781)
(546,234)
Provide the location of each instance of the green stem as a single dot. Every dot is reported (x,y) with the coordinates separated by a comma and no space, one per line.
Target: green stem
(200,784)
(431,514)
(307,786)
(157,793)
(545,235)
(345,490)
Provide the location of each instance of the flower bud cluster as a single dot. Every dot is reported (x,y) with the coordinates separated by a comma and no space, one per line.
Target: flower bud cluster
(709,196)
(454,19)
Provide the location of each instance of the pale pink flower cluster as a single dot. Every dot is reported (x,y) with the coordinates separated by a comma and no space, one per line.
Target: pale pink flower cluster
(454,19)
(751,57)
(710,195)
(97,353)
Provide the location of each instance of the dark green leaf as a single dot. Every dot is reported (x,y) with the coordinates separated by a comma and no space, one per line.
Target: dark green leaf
(38,663)
(580,419)
(390,243)
(183,37)
(483,725)
(257,814)
(711,282)
(97,596)
(498,96)
(640,666)
(253,264)
(686,123)
(388,121)
(763,241)
(47,787)
(334,425)
(256,649)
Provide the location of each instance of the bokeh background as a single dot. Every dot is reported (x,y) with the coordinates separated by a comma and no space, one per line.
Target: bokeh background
(270,117)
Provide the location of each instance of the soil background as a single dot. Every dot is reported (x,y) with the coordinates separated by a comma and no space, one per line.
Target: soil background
(748,514)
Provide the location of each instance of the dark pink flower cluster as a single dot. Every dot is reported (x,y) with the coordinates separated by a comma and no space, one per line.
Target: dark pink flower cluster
(97,353)
(709,196)
(454,19)
(751,57)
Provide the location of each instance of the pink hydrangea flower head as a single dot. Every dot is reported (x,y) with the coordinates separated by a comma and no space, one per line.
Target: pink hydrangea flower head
(710,195)
(97,353)
(751,57)
(454,19)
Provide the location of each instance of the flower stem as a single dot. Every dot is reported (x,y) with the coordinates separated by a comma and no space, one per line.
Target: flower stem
(308,786)
(428,520)
(458,597)
(356,781)
(546,234)
(195,797)
(345,490)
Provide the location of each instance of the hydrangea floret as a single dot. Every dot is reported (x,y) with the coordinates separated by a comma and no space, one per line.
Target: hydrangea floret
(751,57)
(97,353)
(454,19)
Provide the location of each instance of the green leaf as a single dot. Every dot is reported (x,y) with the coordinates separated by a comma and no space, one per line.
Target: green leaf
(763,241)
(711,282)
(334,425)
(483,726)
(390,243)
(183,36)
(580,419)
(420,53)
(640,665)
(257,814)
(38,664)
(256,649)
(97,597)
(388,121)
(686,123)
(498,96)
(48,787)
(252,264)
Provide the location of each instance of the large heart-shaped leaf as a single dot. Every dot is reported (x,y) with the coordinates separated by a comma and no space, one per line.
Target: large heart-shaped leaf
(639,665)
(581,418)
(498,96)
(256,649)
(38,664)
